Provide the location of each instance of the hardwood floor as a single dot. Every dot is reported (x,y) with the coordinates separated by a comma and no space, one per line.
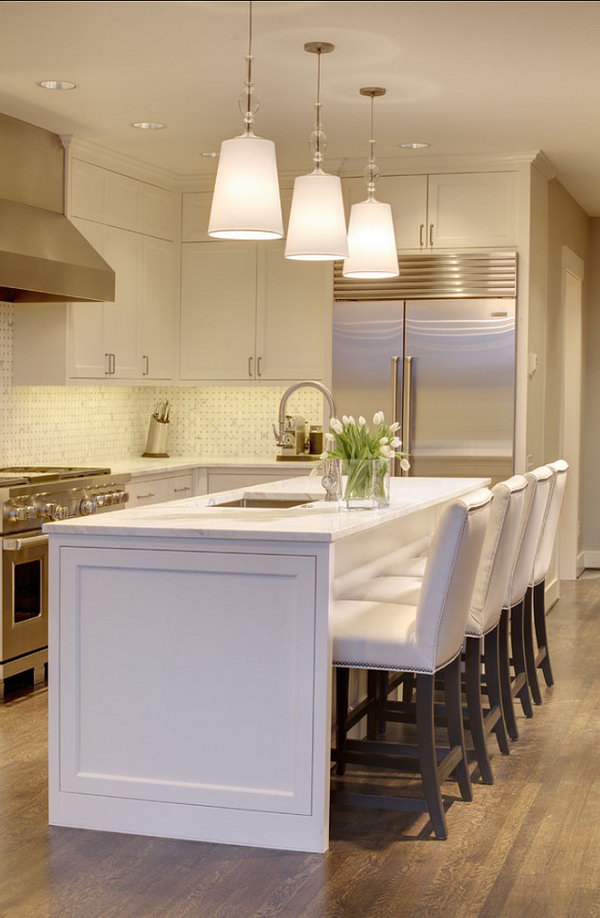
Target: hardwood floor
(527,846)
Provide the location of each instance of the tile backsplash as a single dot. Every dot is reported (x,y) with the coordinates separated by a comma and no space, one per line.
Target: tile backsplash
(82,424)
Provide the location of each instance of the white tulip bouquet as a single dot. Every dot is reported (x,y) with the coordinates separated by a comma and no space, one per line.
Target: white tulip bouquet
(364,454)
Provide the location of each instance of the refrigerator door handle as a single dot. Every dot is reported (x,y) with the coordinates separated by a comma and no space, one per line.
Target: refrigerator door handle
(407,409)
(396,405)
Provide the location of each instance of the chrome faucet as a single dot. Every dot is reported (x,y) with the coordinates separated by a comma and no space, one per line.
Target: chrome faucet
(313,383)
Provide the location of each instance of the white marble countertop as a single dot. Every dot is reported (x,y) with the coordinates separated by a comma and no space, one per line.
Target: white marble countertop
(138,465)
(201,517)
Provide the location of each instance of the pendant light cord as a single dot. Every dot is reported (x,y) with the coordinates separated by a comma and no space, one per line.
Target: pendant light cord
(318,154)
(372,166)
(249,116)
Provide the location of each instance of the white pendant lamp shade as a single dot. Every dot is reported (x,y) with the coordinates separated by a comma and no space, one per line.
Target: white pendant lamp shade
(371,242)
(246,202)
(317,227)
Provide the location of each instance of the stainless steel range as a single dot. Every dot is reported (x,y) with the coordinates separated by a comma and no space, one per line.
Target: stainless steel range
(29,497)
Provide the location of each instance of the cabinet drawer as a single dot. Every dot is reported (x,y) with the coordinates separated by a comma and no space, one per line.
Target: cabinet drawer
(179,487)
(150,491)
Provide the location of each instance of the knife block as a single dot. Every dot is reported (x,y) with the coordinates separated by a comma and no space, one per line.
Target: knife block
(158,439)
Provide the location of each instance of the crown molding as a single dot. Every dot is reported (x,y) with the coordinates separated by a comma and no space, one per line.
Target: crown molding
(545,166)
(120,162)
(426,163)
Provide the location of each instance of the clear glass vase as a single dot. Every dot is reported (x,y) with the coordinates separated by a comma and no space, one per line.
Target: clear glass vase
(365,483)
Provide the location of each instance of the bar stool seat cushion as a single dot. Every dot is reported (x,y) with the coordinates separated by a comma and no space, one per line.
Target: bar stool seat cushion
(377,635)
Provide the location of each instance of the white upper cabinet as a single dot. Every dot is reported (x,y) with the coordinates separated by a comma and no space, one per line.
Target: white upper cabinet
(247,313)
(218,311)
(473,209)
(407,195)
(87,320)
(451,210)
(124,254)
(293,315)
(117,200)
(158,308)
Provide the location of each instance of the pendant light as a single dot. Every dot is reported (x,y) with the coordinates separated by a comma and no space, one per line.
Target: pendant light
(317,227)
(246,203)
(372,251)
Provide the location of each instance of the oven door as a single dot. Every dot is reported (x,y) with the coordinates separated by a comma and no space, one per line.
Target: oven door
(24,595)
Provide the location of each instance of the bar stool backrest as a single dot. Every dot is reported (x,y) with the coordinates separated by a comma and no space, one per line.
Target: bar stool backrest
(543,555)
(538,493)
(449,576)
(497,555)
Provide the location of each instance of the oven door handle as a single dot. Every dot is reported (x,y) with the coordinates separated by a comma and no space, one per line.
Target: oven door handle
(28,541)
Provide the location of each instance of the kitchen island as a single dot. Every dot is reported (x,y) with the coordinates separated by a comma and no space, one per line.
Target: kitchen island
(190,657)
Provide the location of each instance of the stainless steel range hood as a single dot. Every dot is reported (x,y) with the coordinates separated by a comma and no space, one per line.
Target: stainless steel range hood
(44,258)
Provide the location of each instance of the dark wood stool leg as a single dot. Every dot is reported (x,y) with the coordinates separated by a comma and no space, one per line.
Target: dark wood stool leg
(475,708)
(454,723)
(342,679)
(408,688)
(505,686)
(373,693)
(383,693)
(518,654)
(539,615)
(427,753)
(529,647)
(492,676)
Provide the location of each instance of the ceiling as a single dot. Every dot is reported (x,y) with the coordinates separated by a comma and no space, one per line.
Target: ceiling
(468,77)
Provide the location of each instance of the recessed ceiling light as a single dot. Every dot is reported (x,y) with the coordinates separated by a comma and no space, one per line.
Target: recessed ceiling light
(210,154)
(148,125)
(416,145)
(57,84)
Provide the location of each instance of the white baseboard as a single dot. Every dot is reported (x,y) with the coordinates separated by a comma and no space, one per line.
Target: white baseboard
(590,559)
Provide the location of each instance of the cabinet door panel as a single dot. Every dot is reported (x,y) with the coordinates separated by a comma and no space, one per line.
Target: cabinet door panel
(122,318)
(294,301)
(125,197)
(87,320)
(89,191)
(158,308)
(180,486)
(407,195)
(218,310)
(195,211)
(474,209)
(158,212)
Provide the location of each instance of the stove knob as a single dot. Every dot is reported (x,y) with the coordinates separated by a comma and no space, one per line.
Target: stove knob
(15,514)
(109,499)
(61,513)
(48,510)
(30,512)
(125,499)
(100,500)
(87,506)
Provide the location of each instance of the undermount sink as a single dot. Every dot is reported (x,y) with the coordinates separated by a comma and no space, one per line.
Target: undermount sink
(273,503)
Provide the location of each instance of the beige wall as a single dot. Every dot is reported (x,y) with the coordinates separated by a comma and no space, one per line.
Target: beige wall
(591,407)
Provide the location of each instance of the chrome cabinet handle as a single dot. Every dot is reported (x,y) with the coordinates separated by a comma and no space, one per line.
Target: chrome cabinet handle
(144,496)
(407,408)
(181,490)
(421,228)
(146,360)
(258,363)
(250,361)
(396,403)
(431,235)
(107,370)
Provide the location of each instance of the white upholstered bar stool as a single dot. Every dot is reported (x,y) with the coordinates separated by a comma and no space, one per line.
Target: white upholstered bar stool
(424,639)
(493,574)
(535,599)
(537,495)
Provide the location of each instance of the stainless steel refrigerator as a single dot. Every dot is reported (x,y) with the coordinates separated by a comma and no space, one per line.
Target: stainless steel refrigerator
(444,368)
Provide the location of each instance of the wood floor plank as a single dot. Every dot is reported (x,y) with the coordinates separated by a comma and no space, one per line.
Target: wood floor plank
(526,846)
